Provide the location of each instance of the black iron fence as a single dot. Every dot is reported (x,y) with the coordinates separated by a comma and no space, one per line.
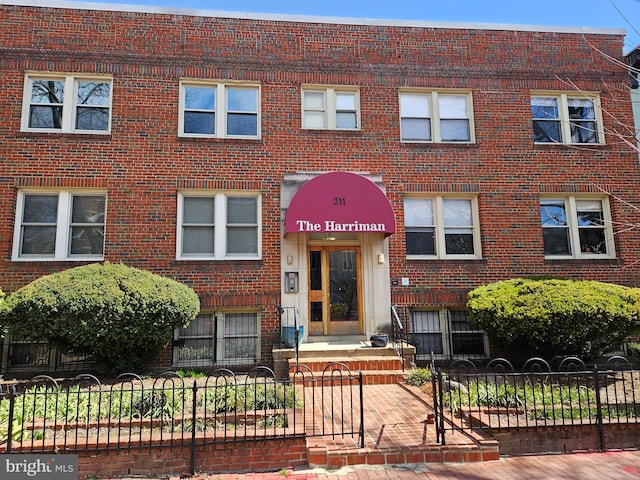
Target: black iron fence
(83,414)
(495,396)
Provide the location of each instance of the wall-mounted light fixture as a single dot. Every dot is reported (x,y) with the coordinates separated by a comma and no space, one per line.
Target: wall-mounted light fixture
(289,259)
(381,258)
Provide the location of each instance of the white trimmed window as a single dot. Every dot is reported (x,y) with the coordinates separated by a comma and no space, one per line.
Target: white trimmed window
(446,334)
(219,226)
(566,118)
(577,227)
(217,109)
(67,103)
(436,117)
(61,225)
(221,338)
(441,227)
(330,108)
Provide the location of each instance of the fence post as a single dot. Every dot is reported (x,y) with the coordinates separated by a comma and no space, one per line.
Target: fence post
(11,394)
(596,384)
(441,406)
(361,410)
(193,429)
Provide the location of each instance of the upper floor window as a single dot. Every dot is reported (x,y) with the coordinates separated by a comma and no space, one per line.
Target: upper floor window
(217,226)
(224,110)
(436,117)
(330,109)
(67,103)
(441,227)
(60,226)
(562,118)
(576,227)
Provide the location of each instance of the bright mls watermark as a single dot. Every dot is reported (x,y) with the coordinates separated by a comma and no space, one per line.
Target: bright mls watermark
(50,467)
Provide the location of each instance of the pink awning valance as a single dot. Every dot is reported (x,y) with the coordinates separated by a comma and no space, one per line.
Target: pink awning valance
(340,202)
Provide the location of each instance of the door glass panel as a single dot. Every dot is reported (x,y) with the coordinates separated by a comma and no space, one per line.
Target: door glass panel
(316,311)
(343,285)
(315,266)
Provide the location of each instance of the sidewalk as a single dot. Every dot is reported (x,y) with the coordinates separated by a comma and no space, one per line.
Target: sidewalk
(620,465)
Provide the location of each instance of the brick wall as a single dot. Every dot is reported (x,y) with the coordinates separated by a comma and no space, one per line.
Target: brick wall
(143,163)
(565,439)
(249,456)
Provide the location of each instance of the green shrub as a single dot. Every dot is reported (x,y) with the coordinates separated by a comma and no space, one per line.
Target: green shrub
(418,376)
(122,316)
(555,317)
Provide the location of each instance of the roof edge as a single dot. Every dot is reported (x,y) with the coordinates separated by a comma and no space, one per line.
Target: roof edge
(276,17)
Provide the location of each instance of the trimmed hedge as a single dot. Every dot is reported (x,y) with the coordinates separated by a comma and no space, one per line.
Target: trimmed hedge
(120,315)
(555,317)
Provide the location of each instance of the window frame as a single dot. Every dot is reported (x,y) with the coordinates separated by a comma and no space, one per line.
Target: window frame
(330,108)
(218,340)
(220,225)
(571,211)
(565,123)
(69,103)
(220,110)
(440,228)
(64,223)
(434,114)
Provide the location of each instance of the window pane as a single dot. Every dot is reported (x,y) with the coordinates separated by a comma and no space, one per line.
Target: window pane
(421,242)
(454,131)
(589,213)
(584,132)
(198,210)
(457,213)
(581,108)
(415,129)
(427,343)
(40,209)
(458,243)
(38,240)
(467,344)
(242,100)
(47,91)
(242,240)
(242,124)
(200,122)
(197,240)
(346,101)
(45,117)
(453,106)
(553,213)
(346,120)
(415,106)
(240,324)
(543,108)
(556,241)
(199,98)
(87,240)
(314,100)
(582,119)
(242,210)
(427,334)
(418,212)
(92,118)
(546,131)
(314,120)
(93,93)
(201,326)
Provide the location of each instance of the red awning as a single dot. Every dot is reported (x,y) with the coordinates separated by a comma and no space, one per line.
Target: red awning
(340,202)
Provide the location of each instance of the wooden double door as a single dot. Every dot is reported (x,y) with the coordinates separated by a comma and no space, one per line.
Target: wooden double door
(335,291)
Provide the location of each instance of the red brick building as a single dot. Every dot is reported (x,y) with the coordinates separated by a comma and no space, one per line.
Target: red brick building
(332,167)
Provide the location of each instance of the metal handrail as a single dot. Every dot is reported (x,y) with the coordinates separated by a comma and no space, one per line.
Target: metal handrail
(400,349)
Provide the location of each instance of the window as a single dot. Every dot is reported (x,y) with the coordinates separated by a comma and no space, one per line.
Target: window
(576,227)
(221,110)
(441,227)
(215,226)
(435,117)
(562,118)
(59,226)
(330,109)
(58,103)
(446,334)
(223,338)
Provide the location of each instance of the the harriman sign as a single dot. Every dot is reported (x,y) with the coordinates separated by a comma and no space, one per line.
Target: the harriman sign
(340,202)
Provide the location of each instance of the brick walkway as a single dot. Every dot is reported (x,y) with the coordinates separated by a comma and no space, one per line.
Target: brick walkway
(587,466)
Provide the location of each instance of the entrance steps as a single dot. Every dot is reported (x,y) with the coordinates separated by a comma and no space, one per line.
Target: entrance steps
(379,365)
